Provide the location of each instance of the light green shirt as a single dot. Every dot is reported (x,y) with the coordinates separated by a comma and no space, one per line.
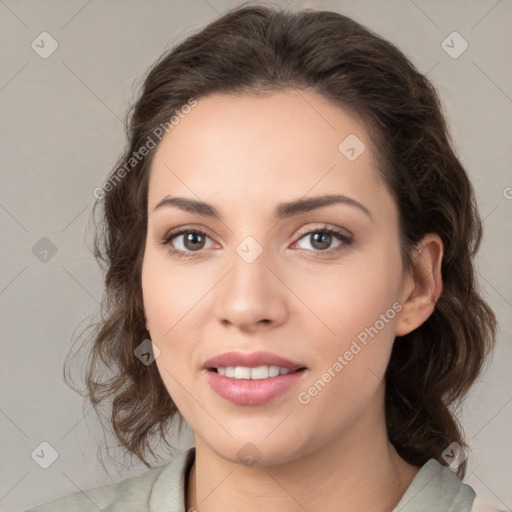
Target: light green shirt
(435,488)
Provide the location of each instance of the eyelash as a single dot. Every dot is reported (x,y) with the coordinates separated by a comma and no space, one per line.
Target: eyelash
(346,240)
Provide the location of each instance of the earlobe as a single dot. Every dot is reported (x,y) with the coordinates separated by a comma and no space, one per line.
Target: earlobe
(425,285)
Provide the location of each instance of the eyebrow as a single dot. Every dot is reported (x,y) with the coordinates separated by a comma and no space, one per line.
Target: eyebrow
(282,211)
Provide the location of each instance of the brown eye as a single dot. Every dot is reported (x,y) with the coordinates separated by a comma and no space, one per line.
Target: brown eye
(193,241)
(186,241)
(320,240)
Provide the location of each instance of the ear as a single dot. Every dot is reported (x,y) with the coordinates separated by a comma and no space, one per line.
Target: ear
(422,286)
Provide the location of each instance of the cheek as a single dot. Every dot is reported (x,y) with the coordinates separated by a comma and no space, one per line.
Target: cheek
(171,295)
(167,301)
(359,308)
(175,303)
(357,302)
(349,297)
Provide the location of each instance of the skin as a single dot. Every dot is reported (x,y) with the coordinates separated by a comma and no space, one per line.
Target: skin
(244,155)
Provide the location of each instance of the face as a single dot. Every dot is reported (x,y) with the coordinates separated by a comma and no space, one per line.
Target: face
(249,282)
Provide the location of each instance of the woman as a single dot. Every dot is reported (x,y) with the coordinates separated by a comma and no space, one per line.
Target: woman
(289,240)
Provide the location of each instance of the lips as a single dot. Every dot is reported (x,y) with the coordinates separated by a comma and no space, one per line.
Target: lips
(251,360)
(236,383)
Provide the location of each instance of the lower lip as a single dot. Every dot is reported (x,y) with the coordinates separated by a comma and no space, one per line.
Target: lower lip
(252,392)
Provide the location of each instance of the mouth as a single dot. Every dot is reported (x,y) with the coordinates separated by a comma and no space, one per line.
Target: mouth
(254,373)
(251,365)
(252,378)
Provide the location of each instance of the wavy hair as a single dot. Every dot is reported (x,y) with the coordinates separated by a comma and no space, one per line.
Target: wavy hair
(255,49)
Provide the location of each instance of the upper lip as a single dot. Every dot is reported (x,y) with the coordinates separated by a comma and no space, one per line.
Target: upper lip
(250,360)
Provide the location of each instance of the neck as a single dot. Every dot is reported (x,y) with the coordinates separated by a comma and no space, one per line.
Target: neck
(359,470)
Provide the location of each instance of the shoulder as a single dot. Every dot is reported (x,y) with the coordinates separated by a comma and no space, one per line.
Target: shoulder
(139,493)
(435,488)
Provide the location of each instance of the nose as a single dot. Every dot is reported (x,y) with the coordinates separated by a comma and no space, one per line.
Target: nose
(252,295)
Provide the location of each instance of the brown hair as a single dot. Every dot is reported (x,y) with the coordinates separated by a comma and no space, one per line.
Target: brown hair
(255,49)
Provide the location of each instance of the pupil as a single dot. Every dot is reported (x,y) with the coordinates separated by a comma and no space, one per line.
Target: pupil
(323,245)
(192,237)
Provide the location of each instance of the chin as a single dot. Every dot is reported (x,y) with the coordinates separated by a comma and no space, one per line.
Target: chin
(257,450)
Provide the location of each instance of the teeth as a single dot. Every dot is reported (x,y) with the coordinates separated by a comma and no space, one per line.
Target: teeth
(244,372)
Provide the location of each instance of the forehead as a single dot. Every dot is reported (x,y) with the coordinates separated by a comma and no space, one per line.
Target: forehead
(253,149)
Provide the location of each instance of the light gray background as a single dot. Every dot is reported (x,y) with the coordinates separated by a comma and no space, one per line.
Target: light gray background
(61,132)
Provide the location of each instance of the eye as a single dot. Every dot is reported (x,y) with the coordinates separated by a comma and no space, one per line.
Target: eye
(188,241)
(321,239)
